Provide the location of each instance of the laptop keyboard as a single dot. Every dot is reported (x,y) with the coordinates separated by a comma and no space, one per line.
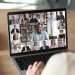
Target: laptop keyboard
(25,61)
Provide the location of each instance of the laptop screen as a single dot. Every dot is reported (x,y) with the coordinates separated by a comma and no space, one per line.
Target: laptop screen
(37,31)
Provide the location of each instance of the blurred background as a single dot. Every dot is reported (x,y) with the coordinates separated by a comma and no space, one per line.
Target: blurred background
(36,4)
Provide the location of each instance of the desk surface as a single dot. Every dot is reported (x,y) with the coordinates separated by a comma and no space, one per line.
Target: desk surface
(6,65)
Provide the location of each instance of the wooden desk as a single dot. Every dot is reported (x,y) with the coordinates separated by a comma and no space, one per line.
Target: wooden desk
(6,65)
(71,29)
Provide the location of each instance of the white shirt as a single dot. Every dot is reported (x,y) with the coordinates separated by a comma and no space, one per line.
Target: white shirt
(56,65)
(14,31)
(60,64)
(18,44)
(36,48)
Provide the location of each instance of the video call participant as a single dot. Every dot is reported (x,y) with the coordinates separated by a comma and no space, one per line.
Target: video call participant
(61,25)
(51,23)
(61,35)
(35,47)
(14,20)
(39,34)
(16,44)
(24,20)
(51,18)
(44,47)
(61,43)
(61,16)
(61,19)
(15,30)
(53,44)
(42,19)
(33,19)
(26,48)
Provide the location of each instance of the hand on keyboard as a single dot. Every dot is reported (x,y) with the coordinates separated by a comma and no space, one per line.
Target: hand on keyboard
(35,69)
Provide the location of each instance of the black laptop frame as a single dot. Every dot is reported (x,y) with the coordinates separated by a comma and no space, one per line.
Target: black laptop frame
(39,51)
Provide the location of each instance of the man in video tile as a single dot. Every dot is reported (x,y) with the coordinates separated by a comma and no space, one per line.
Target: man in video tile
(33,20)
(44,47)
(14,20)
(15,30)
(39,34)
(26,48)
(60,16)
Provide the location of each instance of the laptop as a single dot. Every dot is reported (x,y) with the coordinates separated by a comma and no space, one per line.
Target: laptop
(36,35)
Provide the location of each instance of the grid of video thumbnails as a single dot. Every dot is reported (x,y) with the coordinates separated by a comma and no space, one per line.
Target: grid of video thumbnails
(37,31)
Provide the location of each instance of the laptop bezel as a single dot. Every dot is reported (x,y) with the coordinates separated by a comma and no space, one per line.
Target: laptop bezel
(36,11)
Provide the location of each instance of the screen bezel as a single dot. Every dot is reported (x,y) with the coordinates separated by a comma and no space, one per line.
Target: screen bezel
(37,11)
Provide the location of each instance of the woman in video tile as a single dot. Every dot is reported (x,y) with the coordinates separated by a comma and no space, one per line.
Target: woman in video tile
(53,43)
(16,43)
(61,35)
(35,47)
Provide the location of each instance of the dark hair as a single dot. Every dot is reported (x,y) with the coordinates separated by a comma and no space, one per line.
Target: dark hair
(37,24)
(61,12)
(53,41)
(35,42)
(14,36)
(61,30)
(44,41)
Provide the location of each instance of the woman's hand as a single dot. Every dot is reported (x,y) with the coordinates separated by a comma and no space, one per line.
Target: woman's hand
(35,69)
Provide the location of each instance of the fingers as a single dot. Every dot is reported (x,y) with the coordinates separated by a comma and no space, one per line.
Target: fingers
(40,65)
(30,66)
(35,69)
(39,68)
(35,64)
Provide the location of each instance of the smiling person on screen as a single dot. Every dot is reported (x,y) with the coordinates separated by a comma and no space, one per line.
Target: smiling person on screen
(39,34)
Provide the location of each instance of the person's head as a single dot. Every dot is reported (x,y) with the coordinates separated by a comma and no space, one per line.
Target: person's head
(13,17)
(25,18)
(33,16)
(42,16)
(15,36)
(51,14)
(35,43)
(44,43)
(61,13)
(38,28)
(14,26)
(53,42)
(61,31)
